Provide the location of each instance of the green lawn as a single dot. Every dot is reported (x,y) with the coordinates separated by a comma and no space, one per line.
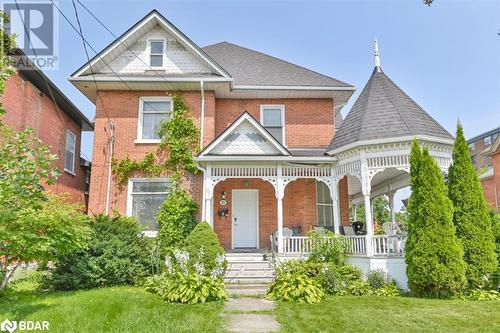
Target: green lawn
(390,314)
(120,309)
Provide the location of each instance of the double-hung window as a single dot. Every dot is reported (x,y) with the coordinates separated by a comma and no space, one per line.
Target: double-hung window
(69,158)
(152,111)
(156,52)
(487,141)
(324,205)
(145,199)
(272,117)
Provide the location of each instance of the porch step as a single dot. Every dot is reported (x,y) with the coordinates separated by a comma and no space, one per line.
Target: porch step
(248,268)
(232,257)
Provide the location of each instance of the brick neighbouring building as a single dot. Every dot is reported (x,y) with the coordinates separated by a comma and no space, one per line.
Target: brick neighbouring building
(477,146)
(28,104)
(268,159)
(490,180)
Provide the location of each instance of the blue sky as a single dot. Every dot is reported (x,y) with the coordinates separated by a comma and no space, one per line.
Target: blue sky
(446,57)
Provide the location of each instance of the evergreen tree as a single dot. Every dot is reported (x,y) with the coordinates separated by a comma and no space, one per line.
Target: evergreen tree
(433,255)
(470,216)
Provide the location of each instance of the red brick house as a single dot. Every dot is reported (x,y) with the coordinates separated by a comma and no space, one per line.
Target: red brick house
(491,178)
(57,122)
(273,165)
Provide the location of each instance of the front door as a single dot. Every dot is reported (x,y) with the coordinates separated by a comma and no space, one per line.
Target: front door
(245,215)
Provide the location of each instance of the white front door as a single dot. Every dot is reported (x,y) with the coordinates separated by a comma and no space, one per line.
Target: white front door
(245,216)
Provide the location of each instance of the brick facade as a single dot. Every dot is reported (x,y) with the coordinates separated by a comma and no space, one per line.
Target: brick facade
(491,184)
(308,123)
(27,107)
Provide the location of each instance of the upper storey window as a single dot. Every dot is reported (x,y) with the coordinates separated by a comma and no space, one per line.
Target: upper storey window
(69,158)
(272,117)
(152,111)
(156,52)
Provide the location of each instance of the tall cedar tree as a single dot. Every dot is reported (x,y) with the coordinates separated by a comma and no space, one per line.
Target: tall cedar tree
(434,255)
(470,216)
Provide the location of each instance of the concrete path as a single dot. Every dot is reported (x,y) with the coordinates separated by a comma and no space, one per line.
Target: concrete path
(249,314)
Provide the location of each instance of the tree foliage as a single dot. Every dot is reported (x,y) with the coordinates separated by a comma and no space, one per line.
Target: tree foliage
(470,216)
(175,218)
(40,232)
(433,253)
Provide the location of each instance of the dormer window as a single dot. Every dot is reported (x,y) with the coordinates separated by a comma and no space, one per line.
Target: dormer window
(156,52)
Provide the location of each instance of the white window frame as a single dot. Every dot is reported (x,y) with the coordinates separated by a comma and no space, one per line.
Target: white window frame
(489,138)
(274,106)
(323,204)
(164,54)
(131,181)
(143,99)
(71,172)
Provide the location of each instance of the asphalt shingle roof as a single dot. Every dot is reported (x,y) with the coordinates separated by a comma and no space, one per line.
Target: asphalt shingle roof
(383,111)
(252,68)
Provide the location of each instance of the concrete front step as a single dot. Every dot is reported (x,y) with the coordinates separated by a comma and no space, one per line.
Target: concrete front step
(249,274)
(248,279)
(249,266)
(245,289)
(247,257)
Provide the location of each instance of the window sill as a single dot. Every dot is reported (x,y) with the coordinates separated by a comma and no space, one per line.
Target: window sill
(70,172)
(147,141)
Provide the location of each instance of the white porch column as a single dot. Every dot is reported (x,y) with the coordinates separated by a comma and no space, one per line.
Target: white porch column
(366,188)
(208,193)
(279,196)
(391,194)
(334,192)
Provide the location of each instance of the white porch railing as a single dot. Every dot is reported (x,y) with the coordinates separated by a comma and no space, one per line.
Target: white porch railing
(389,245)
(382,245)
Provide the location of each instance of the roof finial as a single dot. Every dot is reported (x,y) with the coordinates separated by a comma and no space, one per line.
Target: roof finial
(377,56)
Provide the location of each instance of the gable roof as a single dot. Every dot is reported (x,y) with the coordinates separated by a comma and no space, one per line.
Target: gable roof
(384,111)
(131,35)
(253,68)
(238,139)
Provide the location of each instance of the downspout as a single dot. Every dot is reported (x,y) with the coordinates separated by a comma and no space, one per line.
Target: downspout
(111,148)
(202,121)
(203,217)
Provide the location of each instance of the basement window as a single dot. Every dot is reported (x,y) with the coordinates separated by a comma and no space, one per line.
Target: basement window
(156,52)
(69,158)
(144,200)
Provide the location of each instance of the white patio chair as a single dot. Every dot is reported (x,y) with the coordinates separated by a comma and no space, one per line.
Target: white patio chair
(348,230)
(287,232)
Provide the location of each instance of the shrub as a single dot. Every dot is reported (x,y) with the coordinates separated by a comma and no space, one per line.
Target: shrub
(376,278)
(335,279)
(433,254)
(483,295)
(117,254)
(299,266)
(357,288)
(175,219)
(203,238)
(389,290)
(296,288)
(495,225)
(186,280)
(470,216)
(327,247)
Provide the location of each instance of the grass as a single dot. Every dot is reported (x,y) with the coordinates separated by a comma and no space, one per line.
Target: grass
(119,309)
(390,314)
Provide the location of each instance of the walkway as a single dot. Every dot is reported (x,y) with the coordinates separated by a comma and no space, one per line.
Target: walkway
(248,311)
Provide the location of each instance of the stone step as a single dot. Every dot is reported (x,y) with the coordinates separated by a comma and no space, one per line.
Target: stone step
(248,257)
(243,286)
(249,265)
(249,273)
(248,280)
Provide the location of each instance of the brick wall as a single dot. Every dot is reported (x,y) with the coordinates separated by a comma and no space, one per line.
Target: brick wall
(26,107)
(492,184)
(123,108)
(308,122)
